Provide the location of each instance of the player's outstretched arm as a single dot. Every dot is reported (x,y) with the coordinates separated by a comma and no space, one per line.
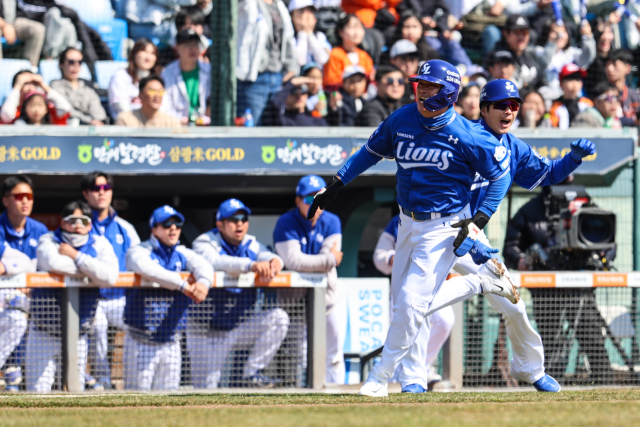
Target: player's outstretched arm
(357,164)
(560,169)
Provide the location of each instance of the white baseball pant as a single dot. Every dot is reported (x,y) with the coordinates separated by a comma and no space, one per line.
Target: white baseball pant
(424,256)
(13,324)
(43,359)
(262,332)
(108,312)
(151,366)
(336,335)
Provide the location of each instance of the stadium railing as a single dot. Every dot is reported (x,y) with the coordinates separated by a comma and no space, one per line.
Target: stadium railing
(299,361)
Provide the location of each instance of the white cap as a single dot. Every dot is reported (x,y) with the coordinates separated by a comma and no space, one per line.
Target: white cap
(403,47)
(352,70)
(300,4)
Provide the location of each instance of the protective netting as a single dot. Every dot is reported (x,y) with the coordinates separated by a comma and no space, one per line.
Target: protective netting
(589,335)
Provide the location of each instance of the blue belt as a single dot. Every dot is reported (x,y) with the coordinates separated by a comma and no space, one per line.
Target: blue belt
(421,216)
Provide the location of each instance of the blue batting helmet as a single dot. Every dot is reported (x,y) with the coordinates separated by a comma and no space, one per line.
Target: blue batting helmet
(441,73)
(497,90)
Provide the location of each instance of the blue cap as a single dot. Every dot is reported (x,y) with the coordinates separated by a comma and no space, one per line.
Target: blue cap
(230,207)
(308,66)
(498,90)
(309,184)
(162,214)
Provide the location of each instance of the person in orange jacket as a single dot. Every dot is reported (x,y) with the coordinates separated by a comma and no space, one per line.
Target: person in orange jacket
(367,10)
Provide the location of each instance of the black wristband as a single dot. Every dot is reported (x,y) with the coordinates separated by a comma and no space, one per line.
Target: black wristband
(480,219)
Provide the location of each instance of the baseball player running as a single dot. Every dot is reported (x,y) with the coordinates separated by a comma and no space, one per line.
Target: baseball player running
(499,104)
(438,154)
(441,321)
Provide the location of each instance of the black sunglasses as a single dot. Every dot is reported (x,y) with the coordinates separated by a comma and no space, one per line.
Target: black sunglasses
(503,105)
(75,61)
(168,223)
(391,81)
(238,218)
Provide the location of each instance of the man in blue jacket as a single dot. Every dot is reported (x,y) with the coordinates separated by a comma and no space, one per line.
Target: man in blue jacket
(227,320)
(97,190)
(156,317)
(19,236)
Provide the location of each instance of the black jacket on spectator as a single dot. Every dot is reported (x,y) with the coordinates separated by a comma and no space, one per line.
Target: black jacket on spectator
(528,226)
(376,111)
(276,115)
(345,115)
(526,63)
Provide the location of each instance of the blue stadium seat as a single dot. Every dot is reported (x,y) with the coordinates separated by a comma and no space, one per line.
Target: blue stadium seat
(113,32)
(91,11)
(8,69)
(50,71)
(106,69)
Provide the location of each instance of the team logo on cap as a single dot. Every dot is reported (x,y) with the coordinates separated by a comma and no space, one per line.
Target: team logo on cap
(235,203)
(521,21)
(510,87)
(425,69)
(169,210)
(500,153)
(313,181)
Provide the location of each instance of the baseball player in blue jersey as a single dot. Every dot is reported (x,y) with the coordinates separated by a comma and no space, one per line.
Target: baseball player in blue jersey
(499,103)
(156,317)
(313,246)
(19,236)
(97,189)
(438,154)
(441,321)
(226,320)
(73,251)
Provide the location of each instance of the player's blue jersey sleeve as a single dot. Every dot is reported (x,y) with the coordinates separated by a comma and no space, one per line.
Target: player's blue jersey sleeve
(392,227)
(381,142)
(333,226)
(532,168)
(284,231)
(485,154)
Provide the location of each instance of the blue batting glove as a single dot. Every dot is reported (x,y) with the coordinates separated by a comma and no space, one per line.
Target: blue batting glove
(481,253)
(465,247)
(581,149)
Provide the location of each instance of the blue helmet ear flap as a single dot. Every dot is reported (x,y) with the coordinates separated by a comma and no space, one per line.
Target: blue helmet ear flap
(443,99)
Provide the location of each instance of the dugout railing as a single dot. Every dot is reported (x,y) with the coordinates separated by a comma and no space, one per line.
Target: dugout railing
(285,316)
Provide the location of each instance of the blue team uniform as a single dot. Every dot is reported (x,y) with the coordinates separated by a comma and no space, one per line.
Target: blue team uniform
(26,241)
(392,227)
(437,159)
(293,226)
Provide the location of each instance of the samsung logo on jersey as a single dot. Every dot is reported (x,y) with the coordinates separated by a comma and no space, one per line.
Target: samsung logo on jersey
(424,157)
(405,135)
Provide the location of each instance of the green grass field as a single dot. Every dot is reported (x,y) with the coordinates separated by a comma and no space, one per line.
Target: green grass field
(615,408)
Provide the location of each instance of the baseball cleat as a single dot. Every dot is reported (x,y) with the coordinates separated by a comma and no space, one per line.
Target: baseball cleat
(374,388)
(413,388)
(502,285)
(547,384)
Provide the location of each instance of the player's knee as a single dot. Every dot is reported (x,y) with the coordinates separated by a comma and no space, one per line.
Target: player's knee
(279,317)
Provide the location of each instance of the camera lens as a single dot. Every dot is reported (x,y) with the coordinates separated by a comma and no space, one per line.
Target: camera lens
(596,229)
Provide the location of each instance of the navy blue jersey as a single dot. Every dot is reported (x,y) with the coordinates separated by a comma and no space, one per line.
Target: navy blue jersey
(437,158)
(292,226)
(528,168)
(26,241)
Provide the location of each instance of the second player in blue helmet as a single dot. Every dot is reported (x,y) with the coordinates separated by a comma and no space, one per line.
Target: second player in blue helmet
(441,73)
(437,154)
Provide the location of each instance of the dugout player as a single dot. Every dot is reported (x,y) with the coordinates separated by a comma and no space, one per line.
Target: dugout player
(313,246)
(73,251)
(97,190)
(499,105)
(19,236)
(225,321)
(441,321)
(438,154)
(155,317)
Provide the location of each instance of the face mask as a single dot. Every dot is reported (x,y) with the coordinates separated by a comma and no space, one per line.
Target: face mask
(75,239)
(142,73)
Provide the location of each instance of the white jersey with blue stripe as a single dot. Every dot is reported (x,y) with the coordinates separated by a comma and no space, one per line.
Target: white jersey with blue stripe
(437,158)
(528,168)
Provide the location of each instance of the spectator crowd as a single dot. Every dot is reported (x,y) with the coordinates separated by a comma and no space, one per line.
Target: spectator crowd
(92,241)
(317,62)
